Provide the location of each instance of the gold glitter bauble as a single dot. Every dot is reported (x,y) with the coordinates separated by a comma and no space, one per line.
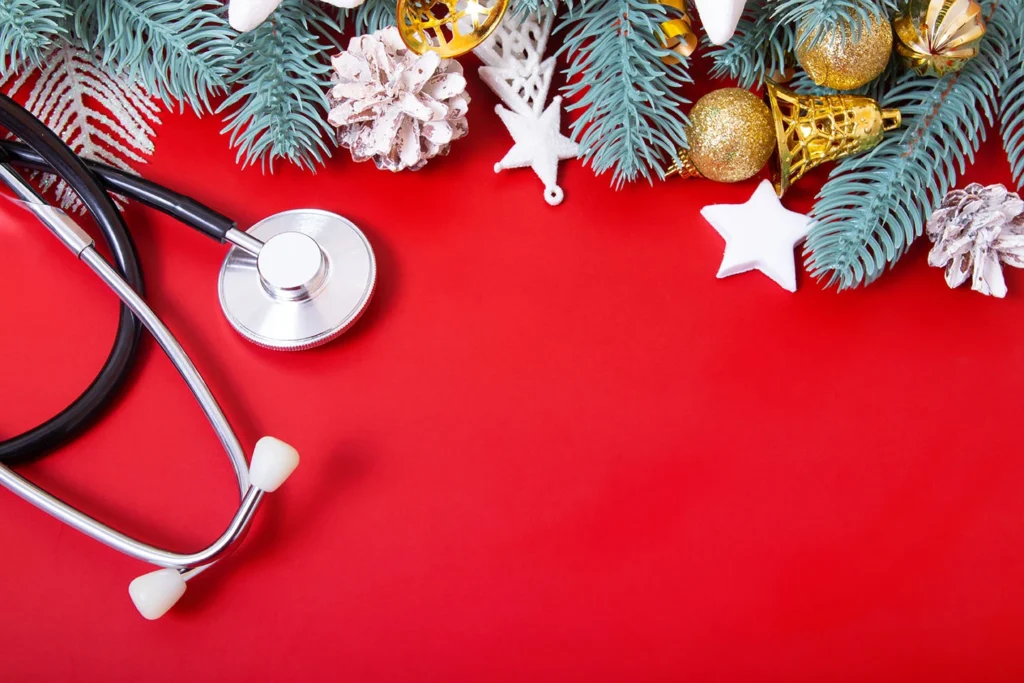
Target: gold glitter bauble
(451,28)
(842,59)
(937,37)
(731,135)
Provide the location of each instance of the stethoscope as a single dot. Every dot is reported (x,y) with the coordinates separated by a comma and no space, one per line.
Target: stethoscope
(293,281)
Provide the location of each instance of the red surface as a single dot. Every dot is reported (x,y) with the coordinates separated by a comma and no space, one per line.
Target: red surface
(555,449)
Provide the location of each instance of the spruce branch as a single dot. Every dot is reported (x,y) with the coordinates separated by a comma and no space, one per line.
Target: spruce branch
(758,50)
(874,206)
(280,103)
(632,113)
(819,17)
(182,50)
(28,29)
(1011,94)
(372,15)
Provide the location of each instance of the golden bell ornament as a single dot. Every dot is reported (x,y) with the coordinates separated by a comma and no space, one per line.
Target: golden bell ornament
(937,37)
(450,28)
(846,57)
(803,132)
(731,137)
(678,33)
(811,131)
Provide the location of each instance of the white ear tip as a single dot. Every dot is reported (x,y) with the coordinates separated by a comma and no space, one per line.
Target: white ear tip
(273,461)
(156,592)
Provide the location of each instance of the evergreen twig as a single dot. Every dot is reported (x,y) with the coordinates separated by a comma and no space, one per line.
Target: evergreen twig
(279,104)
(632,116)
(1011,94)
(28,29)
(182,50)
(874,206)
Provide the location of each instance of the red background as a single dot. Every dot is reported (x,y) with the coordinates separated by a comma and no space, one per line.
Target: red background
(556,448)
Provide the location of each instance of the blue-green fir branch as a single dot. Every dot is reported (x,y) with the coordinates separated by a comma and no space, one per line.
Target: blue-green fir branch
(28,29)
(874,206)
(1011,94)
(182,51)
(279,106)
(371,16)
(531,6)
(631,113)
(759,50)
(816,18)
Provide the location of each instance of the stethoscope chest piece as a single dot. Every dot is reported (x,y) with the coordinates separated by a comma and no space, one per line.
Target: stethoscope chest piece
(311,281)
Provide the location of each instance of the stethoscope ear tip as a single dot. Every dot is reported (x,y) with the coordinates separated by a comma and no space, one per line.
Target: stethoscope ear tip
(157,592)
(273,461)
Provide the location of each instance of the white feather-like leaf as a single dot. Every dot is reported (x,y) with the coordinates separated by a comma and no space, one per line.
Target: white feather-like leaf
(102,116)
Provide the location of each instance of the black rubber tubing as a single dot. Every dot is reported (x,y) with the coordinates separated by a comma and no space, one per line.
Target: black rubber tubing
(59,159)
(185,209)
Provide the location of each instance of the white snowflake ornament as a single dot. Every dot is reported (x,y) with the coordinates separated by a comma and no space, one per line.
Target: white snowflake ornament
(759,235)
(514,70)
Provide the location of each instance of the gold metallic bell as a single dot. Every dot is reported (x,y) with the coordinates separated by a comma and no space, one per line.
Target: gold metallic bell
(811,130)
(937,37)
(450,28)
(807,131)
(679,35)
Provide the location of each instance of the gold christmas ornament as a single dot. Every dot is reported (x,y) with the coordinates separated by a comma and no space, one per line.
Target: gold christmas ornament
(846,57)
(811,131)
(450,28)
(731,137)
(730,141)
(678,33)
(937,37)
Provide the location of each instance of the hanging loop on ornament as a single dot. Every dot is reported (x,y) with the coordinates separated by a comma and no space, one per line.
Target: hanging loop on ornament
(682,166)
(553,195)
(451,28)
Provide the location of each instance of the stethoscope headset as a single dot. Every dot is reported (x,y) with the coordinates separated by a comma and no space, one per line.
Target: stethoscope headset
(293,281)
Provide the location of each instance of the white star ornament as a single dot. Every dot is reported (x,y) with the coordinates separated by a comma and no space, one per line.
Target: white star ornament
(759,235)
(540,145)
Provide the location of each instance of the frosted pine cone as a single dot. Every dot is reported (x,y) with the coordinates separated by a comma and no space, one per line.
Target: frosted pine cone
(975,231)
(394,106)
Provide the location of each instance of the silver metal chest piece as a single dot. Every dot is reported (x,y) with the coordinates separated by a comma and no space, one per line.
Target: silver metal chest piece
(312,280)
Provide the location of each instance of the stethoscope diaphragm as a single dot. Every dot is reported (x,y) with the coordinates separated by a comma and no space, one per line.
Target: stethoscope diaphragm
(312,279)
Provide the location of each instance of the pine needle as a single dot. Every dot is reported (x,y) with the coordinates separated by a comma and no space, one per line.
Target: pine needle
(632,116)
(874,206)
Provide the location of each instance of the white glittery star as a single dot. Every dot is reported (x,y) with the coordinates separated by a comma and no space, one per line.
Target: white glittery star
(539,145)
(759,235)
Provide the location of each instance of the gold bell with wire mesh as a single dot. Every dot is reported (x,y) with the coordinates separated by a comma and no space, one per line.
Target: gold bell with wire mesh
(450,28)
(813,130)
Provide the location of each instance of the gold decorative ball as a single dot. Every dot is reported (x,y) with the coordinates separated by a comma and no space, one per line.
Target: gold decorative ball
(731,135)
(845,58)
(937,37)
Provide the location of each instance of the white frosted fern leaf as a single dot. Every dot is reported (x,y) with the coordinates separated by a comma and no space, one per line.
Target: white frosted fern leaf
(101,116)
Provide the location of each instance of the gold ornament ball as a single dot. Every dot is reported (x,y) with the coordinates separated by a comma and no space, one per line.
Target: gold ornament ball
(842,59)
(937,37)
(731,135)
